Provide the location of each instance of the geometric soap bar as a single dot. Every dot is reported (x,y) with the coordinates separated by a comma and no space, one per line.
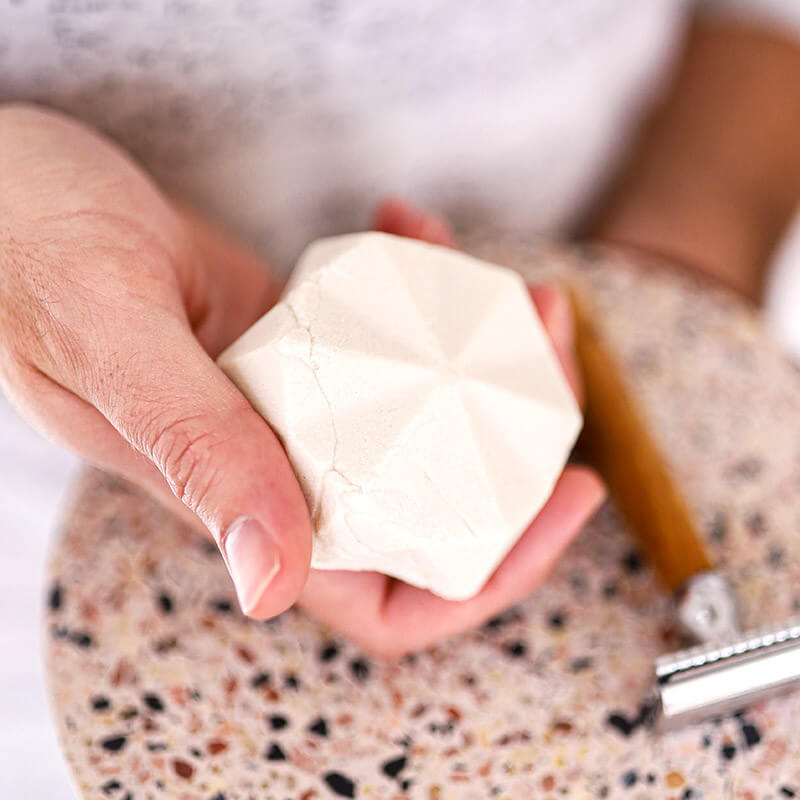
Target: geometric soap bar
(420,404)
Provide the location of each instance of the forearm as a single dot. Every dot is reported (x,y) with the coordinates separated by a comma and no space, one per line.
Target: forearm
(714,177)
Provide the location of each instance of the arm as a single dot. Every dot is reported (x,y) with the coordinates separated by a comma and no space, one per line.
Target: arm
(714,177)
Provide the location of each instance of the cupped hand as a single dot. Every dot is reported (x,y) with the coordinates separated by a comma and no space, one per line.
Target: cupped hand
(113,304)
(390,618)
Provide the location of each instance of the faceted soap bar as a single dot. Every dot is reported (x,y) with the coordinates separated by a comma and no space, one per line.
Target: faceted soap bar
(420,404)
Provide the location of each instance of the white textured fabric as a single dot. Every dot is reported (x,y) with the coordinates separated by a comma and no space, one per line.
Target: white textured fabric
(289,120)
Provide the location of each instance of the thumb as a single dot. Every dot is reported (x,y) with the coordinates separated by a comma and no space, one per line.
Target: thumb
(220,458)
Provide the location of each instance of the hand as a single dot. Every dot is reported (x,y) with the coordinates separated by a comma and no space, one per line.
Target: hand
(112,306)
(113,303)
(388,617)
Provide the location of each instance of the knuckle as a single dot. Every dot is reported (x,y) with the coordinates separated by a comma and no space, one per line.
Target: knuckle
(183,449)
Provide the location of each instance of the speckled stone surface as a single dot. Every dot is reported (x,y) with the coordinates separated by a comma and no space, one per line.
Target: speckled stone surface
(162,689)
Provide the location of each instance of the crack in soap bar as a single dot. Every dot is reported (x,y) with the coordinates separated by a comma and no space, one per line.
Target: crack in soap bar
(420,404)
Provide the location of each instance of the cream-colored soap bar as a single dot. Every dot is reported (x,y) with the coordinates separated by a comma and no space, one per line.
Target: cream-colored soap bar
(419,402)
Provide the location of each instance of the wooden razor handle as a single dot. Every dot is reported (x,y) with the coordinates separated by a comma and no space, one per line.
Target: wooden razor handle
(618,444)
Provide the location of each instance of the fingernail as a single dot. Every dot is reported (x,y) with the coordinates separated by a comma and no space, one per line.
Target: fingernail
(252,560)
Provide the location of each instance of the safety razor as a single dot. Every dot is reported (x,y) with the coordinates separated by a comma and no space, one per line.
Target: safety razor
(725,670)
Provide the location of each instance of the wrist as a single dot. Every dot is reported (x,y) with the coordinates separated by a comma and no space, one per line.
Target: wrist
(716,236)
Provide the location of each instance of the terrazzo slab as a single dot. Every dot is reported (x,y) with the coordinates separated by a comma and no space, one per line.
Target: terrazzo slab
(162,689)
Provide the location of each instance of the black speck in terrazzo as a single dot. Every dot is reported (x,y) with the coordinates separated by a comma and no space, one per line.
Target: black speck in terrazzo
(444,728)
(501,620)
(516,649)
(632,562)
(111,786)
(627,725)
(650,777)
(775,557)
(394,766)
(165,645)
(340,784)
(360,669)
(218,796)
(129,713)
(291,681)
(621,723)
(81,639)
(319,727)
(153,702)
(629,778)
(787,791)
(494,624)
(405,785)
(578,583)
(756,523)
(260,679)
(728,751)
(222,606)
(746,469)
(155,747)
(328,651)
(114,743)
(165,603)
(688,793)
(750,733)
(195,752)
(55,598)
(128,796)
(208,547)
(580,664)
(706,741)
(557,620)
(194,694)
(719,528)
(278,722)
(101,703)
(610,590)
(275,753)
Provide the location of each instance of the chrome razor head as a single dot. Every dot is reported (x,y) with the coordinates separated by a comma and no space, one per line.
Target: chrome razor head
(715,679)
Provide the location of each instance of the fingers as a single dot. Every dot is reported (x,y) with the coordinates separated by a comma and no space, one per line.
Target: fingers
(555,312)
(228,290)
(424,618)
(389,618)
(402,219)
